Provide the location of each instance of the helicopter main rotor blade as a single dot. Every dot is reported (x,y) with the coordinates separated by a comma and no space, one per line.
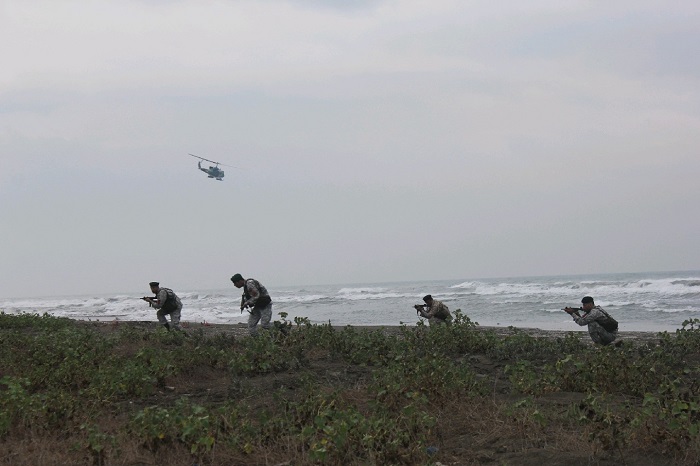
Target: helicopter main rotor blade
(218,163)
(203,158)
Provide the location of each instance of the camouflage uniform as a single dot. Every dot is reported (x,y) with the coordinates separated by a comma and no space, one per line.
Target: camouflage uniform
(168,303)
(595,330)
(437,313)
(256,297)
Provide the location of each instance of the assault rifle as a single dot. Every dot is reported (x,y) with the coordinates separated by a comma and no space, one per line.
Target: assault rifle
(573,310)
(148,298)
(419,308)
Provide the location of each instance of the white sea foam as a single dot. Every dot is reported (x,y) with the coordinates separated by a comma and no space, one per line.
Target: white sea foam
(302,298)
(375,296)
(363,290)
(665,286)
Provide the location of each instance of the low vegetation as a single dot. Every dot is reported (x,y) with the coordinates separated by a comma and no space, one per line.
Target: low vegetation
(133,394)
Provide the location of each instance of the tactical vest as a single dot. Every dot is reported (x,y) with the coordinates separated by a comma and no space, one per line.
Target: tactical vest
(264,298)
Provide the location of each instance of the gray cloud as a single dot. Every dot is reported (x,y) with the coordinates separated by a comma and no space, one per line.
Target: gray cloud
(388,141)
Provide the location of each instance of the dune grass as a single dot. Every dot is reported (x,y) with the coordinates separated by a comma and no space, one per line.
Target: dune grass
(79,393)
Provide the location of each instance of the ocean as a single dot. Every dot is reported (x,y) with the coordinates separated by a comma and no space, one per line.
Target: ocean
(639,301)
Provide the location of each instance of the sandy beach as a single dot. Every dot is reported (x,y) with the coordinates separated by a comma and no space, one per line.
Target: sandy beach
(240,329)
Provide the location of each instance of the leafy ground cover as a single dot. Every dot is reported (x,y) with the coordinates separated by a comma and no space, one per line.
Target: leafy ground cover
(131,393)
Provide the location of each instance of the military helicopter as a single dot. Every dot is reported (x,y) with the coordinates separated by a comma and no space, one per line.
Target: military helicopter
(212,171)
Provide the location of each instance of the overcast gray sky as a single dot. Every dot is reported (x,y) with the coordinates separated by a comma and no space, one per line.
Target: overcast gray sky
(374,140)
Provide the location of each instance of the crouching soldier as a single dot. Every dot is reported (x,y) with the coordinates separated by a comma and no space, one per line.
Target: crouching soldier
(166,302)
(433,310)
(601,326)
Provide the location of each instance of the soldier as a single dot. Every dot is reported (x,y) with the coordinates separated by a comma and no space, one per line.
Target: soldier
(435,311)
(167,302)
(601,326)
(257,300)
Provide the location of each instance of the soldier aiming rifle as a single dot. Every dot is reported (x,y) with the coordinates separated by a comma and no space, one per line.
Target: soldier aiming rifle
(601,326)
(167,303)
(433,310)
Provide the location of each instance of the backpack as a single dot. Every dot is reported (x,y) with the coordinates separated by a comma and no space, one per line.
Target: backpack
(607,322)
(170,303)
